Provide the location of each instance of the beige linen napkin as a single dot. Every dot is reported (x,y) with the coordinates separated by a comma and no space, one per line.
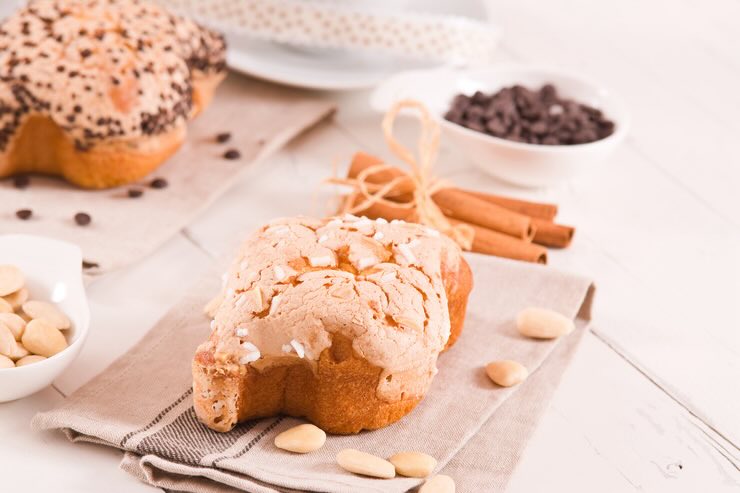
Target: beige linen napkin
(261,118)
(142,403)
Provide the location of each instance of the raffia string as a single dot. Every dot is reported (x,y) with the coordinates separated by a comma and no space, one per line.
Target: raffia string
(420,175)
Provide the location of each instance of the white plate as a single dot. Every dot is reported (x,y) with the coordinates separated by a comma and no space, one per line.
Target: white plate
(323,69)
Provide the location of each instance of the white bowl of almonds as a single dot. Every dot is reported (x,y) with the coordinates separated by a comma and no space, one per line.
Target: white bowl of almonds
(44,315)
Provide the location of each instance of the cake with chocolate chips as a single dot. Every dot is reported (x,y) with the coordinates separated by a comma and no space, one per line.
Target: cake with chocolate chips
(336,320)
(99,91)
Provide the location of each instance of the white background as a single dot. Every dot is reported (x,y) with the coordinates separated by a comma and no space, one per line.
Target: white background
(652,399)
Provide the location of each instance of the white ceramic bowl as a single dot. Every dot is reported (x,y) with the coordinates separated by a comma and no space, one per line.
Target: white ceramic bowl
(53,271)
(522,164)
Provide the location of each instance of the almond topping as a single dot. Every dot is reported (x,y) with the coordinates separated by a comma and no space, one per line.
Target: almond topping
(409,323)
(298,348)
(321,261)
(366,262)
(343,292)
(405,251)
(279,273)
(275,303)
(257,300)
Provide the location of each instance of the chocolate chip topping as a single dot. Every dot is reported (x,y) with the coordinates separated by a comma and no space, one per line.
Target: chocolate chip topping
(83,218)
(223,137)
(535,117)
(135,192)
(101,69)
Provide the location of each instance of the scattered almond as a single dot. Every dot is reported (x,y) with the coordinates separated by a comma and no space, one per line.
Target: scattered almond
(365,464)
(29,360)
(42,309)
(301,439)
(438,484)
(413,464)
(11,279)
(506,372)
(541,323)
(43,338)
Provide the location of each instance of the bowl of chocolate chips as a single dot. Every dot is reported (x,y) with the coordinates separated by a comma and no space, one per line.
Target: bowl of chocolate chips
(528,126)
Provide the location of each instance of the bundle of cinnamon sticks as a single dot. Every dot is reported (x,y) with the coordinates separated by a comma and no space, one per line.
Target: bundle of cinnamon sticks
(503,226)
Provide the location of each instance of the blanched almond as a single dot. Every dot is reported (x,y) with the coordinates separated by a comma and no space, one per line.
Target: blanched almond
(8,344)
(15,323)
(11,279)
(541,323)
(506,372)
(5,307)
(17,299)
(438,484)
(18,352)
(42,338)
(301,439)
(366,464)
(29,360)
(41,309)
(6,362)
(413,464)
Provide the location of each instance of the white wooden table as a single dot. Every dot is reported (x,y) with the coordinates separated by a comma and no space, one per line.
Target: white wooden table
(652,399)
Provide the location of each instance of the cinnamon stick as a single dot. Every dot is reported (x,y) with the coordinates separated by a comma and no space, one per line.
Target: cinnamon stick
(377,210)
(454,203)
(485,241)
(491,242)
(533,209)
(550,234)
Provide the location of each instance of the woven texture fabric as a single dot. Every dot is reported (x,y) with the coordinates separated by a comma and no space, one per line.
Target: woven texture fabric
(142,403)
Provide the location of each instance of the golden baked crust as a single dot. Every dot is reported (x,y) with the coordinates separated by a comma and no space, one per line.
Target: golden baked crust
(106,86)
(343,384)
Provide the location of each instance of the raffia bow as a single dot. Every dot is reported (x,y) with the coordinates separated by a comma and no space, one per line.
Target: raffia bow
(420,175)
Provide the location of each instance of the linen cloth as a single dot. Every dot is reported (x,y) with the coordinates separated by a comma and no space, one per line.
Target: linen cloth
(261,118)
(477,431)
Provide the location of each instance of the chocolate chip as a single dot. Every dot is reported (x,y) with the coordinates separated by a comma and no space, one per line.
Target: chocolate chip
(82,219)
(135,192)
(24,214)
(232,154)
(21,181)
(519,114)
(86,264)
(158,183)
(223,137)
